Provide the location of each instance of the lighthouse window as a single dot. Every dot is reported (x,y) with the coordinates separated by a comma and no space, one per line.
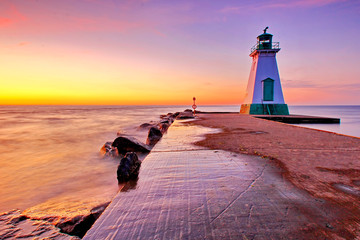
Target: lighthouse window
(268,89)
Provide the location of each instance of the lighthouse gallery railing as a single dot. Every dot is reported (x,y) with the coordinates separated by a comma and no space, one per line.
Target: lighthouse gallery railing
(260,46)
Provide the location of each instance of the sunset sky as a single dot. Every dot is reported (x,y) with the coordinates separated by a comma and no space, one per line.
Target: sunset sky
(166,52)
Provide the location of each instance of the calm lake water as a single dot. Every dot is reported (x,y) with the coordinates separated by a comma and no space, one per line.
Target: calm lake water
(349,117)
(49,155)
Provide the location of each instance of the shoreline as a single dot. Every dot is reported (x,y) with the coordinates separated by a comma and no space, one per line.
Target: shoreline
(322,163)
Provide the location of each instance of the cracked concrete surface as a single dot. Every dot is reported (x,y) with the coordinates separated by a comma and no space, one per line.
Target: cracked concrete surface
(189,192)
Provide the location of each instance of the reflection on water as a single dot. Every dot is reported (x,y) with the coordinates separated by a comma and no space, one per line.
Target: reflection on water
(130,185)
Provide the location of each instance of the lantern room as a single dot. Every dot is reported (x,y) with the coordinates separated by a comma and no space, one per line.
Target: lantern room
(264,41)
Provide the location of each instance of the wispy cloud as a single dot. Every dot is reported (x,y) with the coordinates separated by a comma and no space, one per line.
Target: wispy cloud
(101,16)
(48,21)
(103,24)
(302,3)
(20,44)
(278,4)
(315,85)
(298,84)
(10,15)
(4,21)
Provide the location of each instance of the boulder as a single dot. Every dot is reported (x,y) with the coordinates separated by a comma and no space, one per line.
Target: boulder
(154,136)
(166,120)
(185,117)
(146,125)
(108,150)
(15,225)
(79,225)
(129,167)
(172,117)
(163,127)
(127,144)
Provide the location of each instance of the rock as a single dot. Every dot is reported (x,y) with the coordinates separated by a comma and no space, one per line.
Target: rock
(165,121)
(185,117)
(79,225)
(127,144)
(146,125)
(154,136)
(163,127)
(172,117)
(129,167)
(14,225)
(108,150)
(131,184)
(187,114)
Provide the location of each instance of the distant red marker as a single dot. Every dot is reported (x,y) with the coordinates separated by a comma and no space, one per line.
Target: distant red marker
(194,105)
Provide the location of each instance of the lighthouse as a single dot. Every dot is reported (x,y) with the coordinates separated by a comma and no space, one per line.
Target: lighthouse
(264,95)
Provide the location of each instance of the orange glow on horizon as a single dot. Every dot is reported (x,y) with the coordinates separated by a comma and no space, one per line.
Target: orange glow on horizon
(112,99)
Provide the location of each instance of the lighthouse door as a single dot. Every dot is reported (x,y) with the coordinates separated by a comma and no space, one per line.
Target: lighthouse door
(268,89)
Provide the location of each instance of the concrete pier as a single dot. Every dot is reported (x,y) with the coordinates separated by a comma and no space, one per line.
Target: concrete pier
(292,119)
(298,119)
(189,192)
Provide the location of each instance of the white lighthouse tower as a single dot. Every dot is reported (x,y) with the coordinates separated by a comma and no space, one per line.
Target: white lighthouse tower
(264,94)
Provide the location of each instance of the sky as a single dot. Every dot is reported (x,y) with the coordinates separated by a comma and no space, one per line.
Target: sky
(121,52)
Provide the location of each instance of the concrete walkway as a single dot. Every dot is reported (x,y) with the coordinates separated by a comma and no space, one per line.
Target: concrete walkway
(188,192)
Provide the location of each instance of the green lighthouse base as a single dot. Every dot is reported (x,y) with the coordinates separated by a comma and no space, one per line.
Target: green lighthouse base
(264,109)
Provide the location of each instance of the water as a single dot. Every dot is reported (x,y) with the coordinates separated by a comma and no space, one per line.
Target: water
(49,155)
(349,117)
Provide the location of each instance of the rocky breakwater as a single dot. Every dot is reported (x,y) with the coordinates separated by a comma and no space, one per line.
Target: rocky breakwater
(127,148)
(124,143)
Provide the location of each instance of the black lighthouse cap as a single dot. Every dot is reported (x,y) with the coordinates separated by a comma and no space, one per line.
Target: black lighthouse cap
(264,40)
(265,35)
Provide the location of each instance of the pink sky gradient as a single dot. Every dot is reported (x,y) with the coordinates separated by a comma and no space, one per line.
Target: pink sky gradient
(166,52)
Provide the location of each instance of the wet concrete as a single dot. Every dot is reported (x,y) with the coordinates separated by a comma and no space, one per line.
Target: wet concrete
(189,192)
